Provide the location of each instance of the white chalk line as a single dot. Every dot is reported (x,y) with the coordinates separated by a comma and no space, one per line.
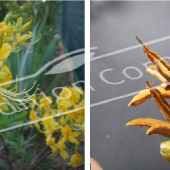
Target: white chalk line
(115,98)
(130,48)
(118,52)
(38,120)
(119,97)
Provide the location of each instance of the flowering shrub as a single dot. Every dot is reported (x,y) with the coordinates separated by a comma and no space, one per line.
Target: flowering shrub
(61,122)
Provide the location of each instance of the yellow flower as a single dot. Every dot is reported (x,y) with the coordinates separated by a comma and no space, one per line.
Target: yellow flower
(62,121)
(23,28)
(6,31)
(60,148)
(5,76)
(70,135)
(80,120)
(75,97)
(19,23)
(46,101)
(53,126)
(33,116)
(7,36)
(64,105)
(15,33)
(50,141)
(44,105)
(2,25)
(50,126)
(71,93)
(69,97)
(21,39)
(76,159)
(79,114)
(11,95)
(5,51)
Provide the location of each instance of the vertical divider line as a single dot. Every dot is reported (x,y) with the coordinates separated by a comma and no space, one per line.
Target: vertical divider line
(87,84)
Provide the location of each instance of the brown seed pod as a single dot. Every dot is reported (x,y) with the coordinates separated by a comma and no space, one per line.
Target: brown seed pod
(163,70)
(156,126)
(154,72)
(153,56)
(145,95)
(160,101)
(140,98)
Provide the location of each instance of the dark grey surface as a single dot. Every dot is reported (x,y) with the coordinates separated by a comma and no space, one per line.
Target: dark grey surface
(113,27)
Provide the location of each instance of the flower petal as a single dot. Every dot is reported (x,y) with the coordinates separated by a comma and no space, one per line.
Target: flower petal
(73,140)
(5,51)
(75,134)
(64,154)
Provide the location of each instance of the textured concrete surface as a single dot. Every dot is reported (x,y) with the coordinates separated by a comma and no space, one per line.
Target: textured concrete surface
(113,27)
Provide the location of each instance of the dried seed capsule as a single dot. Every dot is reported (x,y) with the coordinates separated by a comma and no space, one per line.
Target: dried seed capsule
(156,126)
(152,56)
(160,101)
(163,70)
(145,95)
(154,72)
(166,86)
(140,98)
(162,130)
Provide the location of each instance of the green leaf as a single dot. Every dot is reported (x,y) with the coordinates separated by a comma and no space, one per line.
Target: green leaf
(12,143)
(19,117)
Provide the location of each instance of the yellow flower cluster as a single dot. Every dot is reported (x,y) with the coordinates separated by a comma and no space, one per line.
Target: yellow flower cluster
(12,37)
(61,121)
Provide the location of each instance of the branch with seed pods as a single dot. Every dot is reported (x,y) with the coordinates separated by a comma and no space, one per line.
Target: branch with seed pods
(161,70)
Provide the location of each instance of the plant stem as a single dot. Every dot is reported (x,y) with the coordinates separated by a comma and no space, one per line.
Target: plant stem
(45,156)
(26,147)
(36,159)
(34,164)
(6,150)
